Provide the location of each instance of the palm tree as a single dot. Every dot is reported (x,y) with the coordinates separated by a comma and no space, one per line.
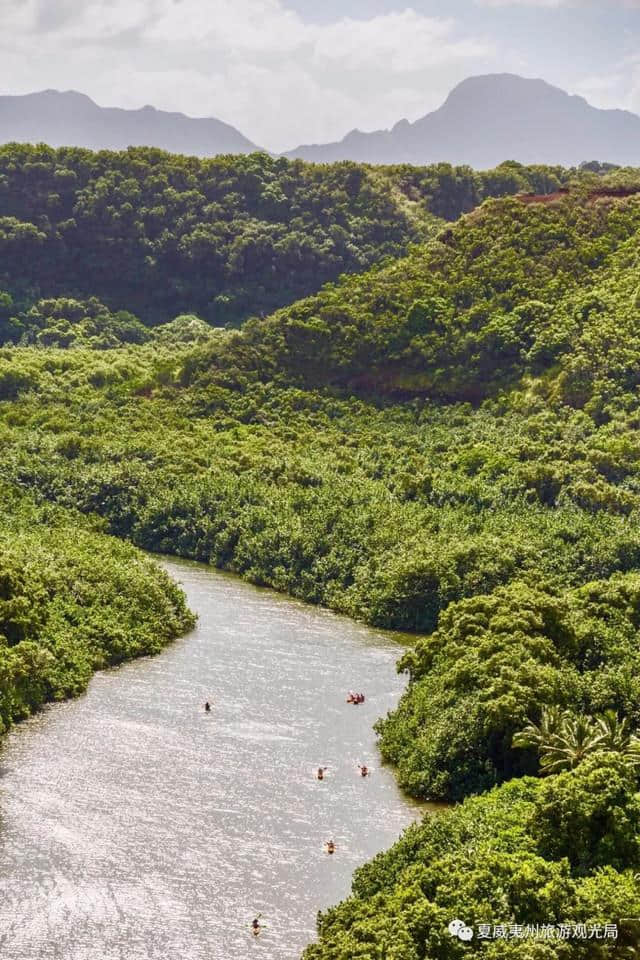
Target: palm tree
(577,738)
(564,740)
(616,735)
(539,735)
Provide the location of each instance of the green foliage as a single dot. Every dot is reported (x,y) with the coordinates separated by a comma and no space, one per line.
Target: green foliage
(513,290)
(486,862)
(71,323)
(496,661)
(590,815)
(447,444)
(161,235)
(564,740)
(185,329)
(72,600)
(225,237)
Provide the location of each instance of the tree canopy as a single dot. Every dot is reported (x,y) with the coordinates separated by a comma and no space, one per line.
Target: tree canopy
(229,237)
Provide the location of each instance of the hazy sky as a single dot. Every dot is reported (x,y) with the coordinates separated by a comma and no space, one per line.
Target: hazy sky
(296,71)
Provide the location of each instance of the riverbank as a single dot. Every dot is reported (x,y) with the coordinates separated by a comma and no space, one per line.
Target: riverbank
(73,600)
(165,830)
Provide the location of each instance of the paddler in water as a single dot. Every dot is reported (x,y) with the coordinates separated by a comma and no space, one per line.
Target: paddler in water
(331,847)
(207,707)
(355,697)
(364,770)
(255,925)
(320,772)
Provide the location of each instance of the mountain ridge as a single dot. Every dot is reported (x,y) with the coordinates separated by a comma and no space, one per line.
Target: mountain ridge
(72,119)
(486,120)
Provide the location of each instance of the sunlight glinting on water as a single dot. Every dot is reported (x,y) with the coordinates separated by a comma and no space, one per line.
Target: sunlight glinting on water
(134,826)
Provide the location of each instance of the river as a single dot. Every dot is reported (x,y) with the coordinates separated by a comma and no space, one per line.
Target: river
(134,826)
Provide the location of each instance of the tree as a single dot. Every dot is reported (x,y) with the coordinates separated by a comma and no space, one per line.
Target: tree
(539,735)
(563,740)
(616,736)
(590,814)
(577,738)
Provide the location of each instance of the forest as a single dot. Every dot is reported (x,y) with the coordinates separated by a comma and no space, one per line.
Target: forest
(444,443)
(72,600)
(156,235)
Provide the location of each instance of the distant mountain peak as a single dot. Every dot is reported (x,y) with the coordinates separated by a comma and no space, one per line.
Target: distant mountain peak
(494,117)
(493,87)
(72,119)
(62,95)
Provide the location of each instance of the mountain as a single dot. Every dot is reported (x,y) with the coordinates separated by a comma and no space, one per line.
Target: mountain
(72,119)
(487,120)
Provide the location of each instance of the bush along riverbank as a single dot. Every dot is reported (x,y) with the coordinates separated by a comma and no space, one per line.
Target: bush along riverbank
(72,600)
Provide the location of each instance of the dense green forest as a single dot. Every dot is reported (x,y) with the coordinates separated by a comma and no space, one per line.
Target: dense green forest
(157,235)
(554,853)
(72,600)
(445,444)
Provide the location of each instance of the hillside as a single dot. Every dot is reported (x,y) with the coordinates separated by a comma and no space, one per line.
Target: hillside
(489,119)
(446,444)
(157,235)
(71,119)
(489,300)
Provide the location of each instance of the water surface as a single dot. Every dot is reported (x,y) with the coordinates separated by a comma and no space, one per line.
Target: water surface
(133,826)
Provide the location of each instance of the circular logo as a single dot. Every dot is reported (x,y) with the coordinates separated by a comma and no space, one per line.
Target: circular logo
(455,927)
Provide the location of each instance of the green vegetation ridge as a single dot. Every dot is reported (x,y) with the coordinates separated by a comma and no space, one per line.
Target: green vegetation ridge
(228,237)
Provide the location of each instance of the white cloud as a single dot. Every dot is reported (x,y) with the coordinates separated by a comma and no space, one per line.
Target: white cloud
(254,63)
(528,3)
(554,4)
(402,42)
(615,89)
(282,80)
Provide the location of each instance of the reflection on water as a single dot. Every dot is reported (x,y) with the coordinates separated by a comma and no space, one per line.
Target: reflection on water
(133,826)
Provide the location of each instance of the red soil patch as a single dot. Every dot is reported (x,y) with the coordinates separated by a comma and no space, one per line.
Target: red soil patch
(612,192)
(541,197)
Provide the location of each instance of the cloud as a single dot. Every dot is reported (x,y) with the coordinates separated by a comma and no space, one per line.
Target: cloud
(254,63)
(616,89)
(555,4)
(260,65)
(529,3)
(402,42)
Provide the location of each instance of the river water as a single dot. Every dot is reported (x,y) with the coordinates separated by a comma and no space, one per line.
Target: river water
(133,826)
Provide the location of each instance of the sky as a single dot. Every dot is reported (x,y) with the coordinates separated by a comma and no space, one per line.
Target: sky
(287,72)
